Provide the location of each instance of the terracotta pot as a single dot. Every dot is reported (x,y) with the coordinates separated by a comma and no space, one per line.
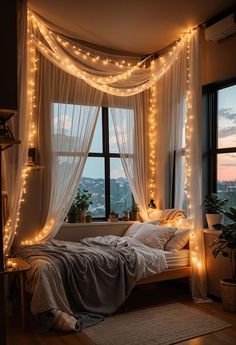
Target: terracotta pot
(213,219)
(228,294)
(82,216)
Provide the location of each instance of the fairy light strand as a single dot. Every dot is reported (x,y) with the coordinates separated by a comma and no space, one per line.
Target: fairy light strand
(152,134)
(105,84)
(56,48)
(189,129)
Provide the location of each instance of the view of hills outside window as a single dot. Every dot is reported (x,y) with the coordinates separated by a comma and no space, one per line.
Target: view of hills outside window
(93,178)
(226,162)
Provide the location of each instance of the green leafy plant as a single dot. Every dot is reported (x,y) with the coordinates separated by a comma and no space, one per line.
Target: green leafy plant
(225,244)
(214,204)
(83,200)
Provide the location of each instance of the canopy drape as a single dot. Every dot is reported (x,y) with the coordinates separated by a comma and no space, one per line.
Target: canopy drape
(72,80)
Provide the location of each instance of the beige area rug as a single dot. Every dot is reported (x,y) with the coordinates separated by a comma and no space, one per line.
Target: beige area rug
(164,325)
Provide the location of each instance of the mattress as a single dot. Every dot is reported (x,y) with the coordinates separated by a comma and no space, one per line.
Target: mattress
(177,259)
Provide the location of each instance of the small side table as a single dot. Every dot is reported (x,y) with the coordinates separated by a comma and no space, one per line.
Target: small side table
(22,268)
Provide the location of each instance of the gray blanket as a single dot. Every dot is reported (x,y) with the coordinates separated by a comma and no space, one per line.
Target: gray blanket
(85,276)
(95,275)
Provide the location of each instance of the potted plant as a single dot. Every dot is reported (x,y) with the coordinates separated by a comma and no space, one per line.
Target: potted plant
(88,217)
(134,213)
(225,245)
(72,214)
(126,215)
(214,207)
(82,202)
(113,217)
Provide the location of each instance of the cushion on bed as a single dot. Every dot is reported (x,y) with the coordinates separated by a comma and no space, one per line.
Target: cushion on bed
(171,216)
(131,231)
(154,236)
(136,226)
(178,241)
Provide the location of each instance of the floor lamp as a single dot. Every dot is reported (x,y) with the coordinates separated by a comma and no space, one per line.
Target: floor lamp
(6,140)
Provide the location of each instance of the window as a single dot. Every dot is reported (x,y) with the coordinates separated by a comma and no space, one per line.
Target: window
(220,146)
(103,174)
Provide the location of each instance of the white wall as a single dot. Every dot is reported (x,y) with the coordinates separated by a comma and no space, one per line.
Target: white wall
(218,59)
(77,231)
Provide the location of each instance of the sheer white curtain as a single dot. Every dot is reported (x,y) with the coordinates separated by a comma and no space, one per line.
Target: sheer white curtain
(171,89)
(179,107)
(193,170)
(14,159)
(129,124)
(68,110)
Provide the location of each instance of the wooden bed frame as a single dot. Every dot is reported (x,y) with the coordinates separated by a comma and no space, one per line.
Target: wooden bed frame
(172,273)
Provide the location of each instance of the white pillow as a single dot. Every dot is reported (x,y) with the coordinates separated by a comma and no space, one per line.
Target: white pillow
(154,236)
(178,241)
(136,226)
(131,231)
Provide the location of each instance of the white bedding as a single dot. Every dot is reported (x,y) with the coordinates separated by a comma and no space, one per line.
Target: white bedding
(177,259)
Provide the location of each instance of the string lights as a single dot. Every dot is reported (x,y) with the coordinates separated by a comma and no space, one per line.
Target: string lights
(11,226)
(139,76)
(189,128)
(123,78)
(152,135)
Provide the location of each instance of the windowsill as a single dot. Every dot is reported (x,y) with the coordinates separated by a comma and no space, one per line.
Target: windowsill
(103,223)
(213,232)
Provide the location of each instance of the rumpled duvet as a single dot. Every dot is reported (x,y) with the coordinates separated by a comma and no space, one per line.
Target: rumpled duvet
(93,276)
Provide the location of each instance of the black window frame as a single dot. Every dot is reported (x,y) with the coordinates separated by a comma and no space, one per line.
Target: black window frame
(210,134)
(107,155)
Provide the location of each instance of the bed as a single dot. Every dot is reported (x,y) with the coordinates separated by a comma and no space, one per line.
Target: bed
(96,275)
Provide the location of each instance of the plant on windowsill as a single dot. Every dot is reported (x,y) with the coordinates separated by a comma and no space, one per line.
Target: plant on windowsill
(113,216)
(72,214)
(134,212)
(126,215)
(225,245)
(88,217)
(214,208)
(82,201)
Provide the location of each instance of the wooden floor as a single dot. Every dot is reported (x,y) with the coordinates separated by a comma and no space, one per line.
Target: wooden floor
(141,297)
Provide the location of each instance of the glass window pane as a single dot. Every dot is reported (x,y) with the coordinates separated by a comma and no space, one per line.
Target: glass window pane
(96,145)
(227,117)
(126,123)
(93,180)
(226,177)
(113,148)
(121,197)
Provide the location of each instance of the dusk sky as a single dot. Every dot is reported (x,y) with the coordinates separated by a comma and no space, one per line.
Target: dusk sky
(227,133)
(226,137)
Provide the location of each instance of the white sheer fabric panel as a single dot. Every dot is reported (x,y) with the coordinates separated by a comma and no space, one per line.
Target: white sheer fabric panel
(197,249)
(129,124)
(107,75)
(14,159)
(68,111)
(171,90)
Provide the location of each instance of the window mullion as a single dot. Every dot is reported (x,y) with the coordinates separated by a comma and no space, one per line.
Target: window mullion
(105,126)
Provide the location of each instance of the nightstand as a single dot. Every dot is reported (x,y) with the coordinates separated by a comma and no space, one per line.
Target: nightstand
(21,269)
(217,268)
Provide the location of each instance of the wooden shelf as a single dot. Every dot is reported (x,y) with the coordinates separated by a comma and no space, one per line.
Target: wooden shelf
(36,167)
(7,142)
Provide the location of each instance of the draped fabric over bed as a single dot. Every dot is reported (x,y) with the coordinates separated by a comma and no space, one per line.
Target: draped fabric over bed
(71,84)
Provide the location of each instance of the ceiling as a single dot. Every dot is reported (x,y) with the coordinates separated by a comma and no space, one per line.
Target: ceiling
(135,26)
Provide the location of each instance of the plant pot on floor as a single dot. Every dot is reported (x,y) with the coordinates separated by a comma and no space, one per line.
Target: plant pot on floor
(213,219)
(228,294)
